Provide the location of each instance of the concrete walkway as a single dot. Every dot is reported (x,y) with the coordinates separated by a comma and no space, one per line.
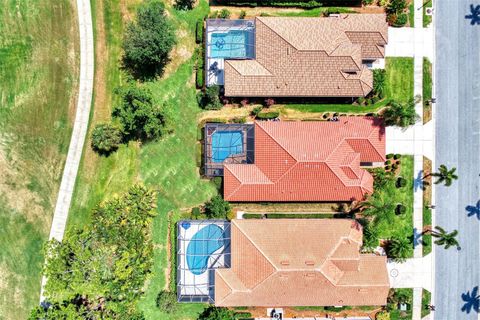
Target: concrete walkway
(80,125)
(418,141)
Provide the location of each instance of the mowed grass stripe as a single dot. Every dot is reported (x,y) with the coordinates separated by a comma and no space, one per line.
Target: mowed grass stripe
(39,72)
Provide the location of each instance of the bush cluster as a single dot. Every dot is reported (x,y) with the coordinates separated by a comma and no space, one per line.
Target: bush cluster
(217,208)
(396,15)
(268,115)
(307,4)
(209,99)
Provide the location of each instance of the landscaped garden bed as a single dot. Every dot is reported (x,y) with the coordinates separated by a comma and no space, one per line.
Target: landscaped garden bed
(427,90)
(427,201)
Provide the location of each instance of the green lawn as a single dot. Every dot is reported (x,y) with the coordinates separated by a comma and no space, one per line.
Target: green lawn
(399,78)
(38,72)
(427,238)
(426,300)
(340,108)
(411,15)
(168,165)
(404,223)
(426,19)
(427,84)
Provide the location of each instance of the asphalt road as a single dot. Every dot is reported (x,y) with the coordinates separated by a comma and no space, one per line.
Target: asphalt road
(458,145)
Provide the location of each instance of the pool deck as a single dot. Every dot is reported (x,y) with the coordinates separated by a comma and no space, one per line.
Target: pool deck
(192,286)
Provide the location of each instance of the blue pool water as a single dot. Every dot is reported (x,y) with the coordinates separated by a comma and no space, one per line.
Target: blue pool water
(225,144)
(232,44)
(203,243)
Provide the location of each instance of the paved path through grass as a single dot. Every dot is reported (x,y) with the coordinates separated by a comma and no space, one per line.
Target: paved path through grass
(80,126)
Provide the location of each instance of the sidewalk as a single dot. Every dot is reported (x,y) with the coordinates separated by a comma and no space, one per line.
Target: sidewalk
(80,126)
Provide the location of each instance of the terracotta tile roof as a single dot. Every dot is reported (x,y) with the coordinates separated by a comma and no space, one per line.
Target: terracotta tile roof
(314,262)
(309,57)
(308,161)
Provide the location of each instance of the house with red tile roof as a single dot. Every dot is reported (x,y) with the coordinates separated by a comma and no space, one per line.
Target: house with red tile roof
(309,57)
(300,262)
(308,161)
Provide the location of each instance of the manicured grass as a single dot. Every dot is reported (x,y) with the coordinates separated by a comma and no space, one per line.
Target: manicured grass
(404,223)
(38,72)
(399,78)
(427,238)
(397,314)
(340,108)
(426,300)
(411,15)
(427,89)
(426,19)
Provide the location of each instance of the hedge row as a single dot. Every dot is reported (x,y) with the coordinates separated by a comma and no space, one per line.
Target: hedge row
(268,115)
(295,215)
(291,3)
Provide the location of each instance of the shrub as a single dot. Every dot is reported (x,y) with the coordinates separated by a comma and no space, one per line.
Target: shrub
(379,81)
(256,111)
(106,138)
(368,101)
(388,162)
(370,236)
(242,14)
(200,78)
(216,313)
(391,19)
(244,102)
(397,156)
(375,99)
(384,3)
(401,20)
(400,209)
(167,301)
(269,102)
(148,41)
(210,99)
(213,14)
(217,208)
(361,100)
(196,213)
(224,14)
(394,166)
(242,315)
(326,115)
(184,4)
(390,156)
(199,32)
(388,168)
(239,120)
(396,6)
(217,181)
(268,115)
(401,182)
(139,116)
(383,315)
(367,2)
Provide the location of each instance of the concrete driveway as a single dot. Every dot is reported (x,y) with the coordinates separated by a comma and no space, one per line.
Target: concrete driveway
(401,42)
(413,273)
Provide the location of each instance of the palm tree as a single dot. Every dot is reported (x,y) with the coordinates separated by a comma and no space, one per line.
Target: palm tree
(400,114)
(444,175)
(444,238)
(399,249)
(380,207)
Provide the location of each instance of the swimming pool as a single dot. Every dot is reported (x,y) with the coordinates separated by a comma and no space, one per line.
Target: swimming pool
(203,243)
(231,44)
(226,144)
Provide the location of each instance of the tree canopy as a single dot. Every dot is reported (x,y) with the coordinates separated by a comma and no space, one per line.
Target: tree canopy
(102,268)
(106,138)
(400,114)
(217,208)
(139,116)
(445,176)
(148,41)
(184,4)
(214,313)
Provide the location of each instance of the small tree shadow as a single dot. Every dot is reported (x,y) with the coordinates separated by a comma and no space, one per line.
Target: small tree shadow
(472,301)
(474,15)
(474,210)
(419,182)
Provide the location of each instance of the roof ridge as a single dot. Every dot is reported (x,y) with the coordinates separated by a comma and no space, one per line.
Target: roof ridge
(219,273)
(276,141)
(261,20)
(225,166)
